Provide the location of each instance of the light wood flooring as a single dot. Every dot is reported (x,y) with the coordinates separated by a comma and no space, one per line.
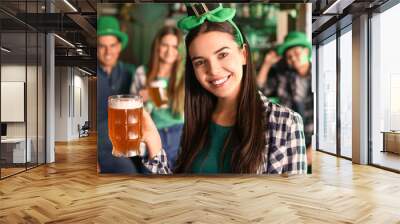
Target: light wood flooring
(10,171)
(5,172)
(387,159)
(71,191)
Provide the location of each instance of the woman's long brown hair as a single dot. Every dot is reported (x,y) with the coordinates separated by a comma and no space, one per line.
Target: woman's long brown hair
(176,88)
(246,140)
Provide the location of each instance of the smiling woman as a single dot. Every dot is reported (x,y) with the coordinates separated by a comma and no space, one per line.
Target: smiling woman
(229,126)
(219,67)
(161,85)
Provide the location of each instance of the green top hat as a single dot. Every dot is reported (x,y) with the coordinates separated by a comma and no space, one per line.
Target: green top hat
(295,39)
(109,25)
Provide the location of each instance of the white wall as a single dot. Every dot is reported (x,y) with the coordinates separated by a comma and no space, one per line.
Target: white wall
(34,125)
(80,110)
(13,73)
(61,103)
(71,94)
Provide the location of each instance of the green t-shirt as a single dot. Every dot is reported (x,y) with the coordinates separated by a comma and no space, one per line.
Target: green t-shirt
(164,117)
(208,160)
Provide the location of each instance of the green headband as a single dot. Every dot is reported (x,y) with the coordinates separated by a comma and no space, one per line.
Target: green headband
(217,15)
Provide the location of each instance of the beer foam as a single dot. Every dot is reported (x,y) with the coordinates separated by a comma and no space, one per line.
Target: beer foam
(125,104)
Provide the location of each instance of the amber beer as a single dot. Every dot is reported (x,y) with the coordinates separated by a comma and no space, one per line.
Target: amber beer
(125,124)
(158,93)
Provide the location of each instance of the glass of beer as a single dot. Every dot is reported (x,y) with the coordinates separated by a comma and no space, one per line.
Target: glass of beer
(158,93)
(125,124)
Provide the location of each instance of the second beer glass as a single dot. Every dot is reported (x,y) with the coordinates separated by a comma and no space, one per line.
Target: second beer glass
(158,93)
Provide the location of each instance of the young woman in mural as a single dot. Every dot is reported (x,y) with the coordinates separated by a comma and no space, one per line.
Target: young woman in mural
(161,85)
(230,127)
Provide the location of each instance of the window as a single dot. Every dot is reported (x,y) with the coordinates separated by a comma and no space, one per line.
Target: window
(327,96)
(22,76)
(346,92)
(385,85)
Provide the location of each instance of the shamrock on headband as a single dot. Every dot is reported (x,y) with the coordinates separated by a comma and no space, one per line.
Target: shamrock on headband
(210,12)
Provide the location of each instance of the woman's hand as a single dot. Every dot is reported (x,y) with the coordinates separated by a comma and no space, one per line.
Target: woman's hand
(151,137)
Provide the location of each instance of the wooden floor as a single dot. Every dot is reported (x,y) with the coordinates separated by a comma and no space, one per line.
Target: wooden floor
(5,172)
(10,171)
(70,191)
(387,159)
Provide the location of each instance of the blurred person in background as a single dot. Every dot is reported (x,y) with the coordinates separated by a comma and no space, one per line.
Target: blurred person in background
(113,78)
(270,59)
(166,67)
(290,82)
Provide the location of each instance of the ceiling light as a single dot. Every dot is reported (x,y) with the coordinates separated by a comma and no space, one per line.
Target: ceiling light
(70,5)
(86,72)
(5,49)
(337,7)
(65,41)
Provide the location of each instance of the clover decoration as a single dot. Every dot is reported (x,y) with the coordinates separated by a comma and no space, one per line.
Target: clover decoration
(218,15)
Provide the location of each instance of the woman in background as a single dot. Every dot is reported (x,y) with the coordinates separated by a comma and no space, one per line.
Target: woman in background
(166,68)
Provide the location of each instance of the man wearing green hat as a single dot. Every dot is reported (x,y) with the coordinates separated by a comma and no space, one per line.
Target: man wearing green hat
(291,83)
(113,77)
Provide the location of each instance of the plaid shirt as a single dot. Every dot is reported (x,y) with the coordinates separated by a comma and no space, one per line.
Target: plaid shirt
(284,149)
(281,83)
